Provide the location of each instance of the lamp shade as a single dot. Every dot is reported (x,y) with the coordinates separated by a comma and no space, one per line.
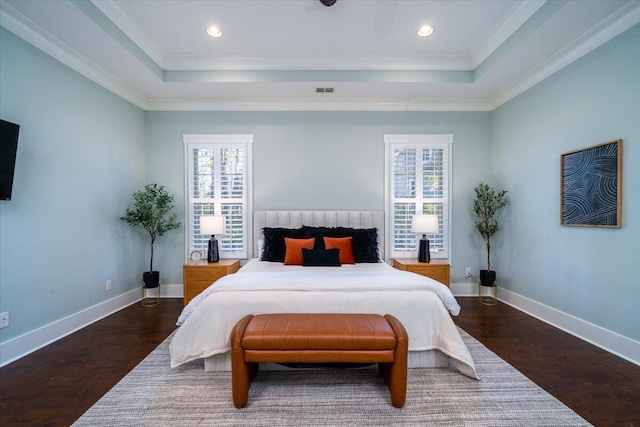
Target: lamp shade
(425,224)
(212,224)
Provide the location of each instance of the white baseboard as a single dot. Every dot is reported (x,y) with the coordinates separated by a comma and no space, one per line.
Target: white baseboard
(464,289)
(171,291)
(610,341)
(18,347)
(22,345)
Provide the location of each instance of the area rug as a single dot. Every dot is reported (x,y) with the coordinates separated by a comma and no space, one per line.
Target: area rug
(152,394)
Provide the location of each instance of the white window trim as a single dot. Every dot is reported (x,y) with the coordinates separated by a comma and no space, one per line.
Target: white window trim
(389,141)
(190,140)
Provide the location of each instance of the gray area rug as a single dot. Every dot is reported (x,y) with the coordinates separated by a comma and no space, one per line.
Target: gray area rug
(152,394)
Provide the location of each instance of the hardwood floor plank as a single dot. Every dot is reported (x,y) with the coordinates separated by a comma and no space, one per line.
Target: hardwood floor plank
(57,384)
(601,387)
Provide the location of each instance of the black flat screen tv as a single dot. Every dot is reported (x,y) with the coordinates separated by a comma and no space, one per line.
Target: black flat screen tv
(8,150)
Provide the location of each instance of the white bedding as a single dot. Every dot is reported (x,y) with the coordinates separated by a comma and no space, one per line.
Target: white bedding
(266,287)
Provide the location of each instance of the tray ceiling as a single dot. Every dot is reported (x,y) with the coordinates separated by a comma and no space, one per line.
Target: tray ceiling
(274,54)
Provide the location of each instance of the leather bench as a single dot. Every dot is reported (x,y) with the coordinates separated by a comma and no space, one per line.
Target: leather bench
(319,338)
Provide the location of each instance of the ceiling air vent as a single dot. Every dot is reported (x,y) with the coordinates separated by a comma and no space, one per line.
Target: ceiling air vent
(324,90)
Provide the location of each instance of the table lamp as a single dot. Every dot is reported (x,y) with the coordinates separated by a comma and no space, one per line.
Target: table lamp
(212,225)
(424,224)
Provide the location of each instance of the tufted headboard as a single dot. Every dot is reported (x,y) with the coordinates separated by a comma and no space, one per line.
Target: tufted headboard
(296,219)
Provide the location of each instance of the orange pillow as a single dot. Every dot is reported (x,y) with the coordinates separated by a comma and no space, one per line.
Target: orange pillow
(344,245)
(293,250)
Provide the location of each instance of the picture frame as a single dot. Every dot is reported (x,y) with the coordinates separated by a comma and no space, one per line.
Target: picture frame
(591,186)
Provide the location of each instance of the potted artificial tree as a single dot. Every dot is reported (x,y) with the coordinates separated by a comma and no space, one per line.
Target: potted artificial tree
(486,205)
(150,209)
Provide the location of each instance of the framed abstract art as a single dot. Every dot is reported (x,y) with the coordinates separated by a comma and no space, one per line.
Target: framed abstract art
(591,186)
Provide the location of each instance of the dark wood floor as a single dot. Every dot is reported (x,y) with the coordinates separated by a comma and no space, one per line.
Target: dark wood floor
(603,388)
(55,385)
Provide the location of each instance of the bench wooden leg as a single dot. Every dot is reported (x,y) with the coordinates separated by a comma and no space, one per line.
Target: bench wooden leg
(242,373)
(396,372)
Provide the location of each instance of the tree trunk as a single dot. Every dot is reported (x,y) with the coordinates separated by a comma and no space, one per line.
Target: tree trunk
(151,259)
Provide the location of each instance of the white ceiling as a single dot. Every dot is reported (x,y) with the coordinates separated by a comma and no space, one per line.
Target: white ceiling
(275,53)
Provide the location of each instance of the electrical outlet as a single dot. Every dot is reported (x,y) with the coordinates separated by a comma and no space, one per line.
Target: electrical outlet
(4,319)
(468,272)
(108,285)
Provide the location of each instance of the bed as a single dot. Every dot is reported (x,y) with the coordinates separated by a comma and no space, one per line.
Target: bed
(423,305)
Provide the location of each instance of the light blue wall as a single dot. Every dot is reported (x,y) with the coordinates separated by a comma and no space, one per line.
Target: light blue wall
(320,160)
(83,151)
(590,273)
(80,156)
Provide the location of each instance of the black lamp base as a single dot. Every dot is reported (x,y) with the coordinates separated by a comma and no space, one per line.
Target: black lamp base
(214,255)
(423,252)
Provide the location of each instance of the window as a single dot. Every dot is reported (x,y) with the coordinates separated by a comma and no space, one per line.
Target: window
(417,177)
(218,182)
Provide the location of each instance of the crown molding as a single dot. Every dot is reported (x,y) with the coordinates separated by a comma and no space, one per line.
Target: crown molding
(176,63)
(353,76)
(313,104)
(622,20)
(39,38)
(505,29)
(123,21)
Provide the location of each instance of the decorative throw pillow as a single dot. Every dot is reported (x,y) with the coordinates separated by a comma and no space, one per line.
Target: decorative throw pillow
(321,257)
(365,240)
(344,245)
(318,233)
(365,245)
(274,248)
(293,254)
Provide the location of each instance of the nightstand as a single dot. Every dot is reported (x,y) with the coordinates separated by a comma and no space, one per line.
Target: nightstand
(199,275)
(436,269)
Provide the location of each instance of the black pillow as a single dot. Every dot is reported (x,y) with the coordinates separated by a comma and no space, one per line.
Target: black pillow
(318,233)
(321,257)
(274,247)
(364,243)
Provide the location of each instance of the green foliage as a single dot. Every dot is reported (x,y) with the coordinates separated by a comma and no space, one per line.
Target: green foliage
(486,205)
(150,209)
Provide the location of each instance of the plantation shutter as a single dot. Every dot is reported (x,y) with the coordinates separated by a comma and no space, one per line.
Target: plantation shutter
(418,170)
(217,183)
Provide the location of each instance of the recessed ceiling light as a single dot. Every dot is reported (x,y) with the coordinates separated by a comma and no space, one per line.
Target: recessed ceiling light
(425,30)
(214,31)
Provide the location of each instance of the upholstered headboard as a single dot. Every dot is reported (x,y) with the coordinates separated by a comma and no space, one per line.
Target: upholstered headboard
(296,219)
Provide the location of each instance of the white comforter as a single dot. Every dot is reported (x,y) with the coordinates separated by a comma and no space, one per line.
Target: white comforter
(265,287)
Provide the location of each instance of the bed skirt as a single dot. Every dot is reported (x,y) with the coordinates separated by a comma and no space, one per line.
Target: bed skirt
(417,359)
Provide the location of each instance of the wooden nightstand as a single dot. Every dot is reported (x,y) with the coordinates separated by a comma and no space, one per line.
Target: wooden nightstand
(199,275)
(436,269)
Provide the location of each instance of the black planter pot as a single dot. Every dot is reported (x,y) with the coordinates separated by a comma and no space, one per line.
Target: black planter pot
(151,279)
(487,277)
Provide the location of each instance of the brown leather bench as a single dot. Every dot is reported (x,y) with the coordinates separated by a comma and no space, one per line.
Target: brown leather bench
(319,338)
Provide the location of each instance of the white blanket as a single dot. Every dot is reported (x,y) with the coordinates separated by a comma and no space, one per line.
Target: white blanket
(262,287)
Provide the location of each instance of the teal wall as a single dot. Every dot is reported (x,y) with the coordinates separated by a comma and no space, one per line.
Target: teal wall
(80,156)
(321,160)
(590,273)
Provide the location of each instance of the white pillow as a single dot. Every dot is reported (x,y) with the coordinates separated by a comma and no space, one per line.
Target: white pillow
(260,248)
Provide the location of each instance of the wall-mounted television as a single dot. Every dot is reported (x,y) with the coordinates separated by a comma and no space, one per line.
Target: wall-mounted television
(8,150)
